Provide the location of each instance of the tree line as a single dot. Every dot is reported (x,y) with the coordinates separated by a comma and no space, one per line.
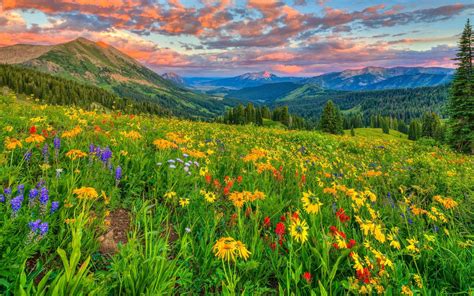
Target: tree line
(251,114)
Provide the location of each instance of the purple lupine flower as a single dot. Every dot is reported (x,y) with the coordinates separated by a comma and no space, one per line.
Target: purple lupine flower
(40,184)
(91,148)
(54,206)
(44,195)
(118,173)
(57,143)
(27,156)
(45,152)
(33,193)
(106,154)
(21,189)
(34,225)
(16,203)
(7,191)
(43,228)
(2,198)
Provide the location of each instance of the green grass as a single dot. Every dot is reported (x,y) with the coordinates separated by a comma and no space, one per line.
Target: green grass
(376,133)
(319,214)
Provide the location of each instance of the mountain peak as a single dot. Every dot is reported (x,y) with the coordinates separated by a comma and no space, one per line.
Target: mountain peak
(258,75)
(173,77)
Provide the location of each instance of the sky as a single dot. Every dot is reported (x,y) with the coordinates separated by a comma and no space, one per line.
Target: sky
(231,37)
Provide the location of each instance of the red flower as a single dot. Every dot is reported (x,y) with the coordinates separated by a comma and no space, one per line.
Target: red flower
(334,231)
(226,190)
(45,133)
(342,215)
(273,246)
(217,184)
(351,243)
(307,277)
(33,130)
(239,179)
(282,218)
(266,222)
(295,216)
(303,178)
(208,179)
(280,229)
(363,275)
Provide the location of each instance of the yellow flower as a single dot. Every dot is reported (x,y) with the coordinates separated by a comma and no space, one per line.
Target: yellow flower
(238,198)
(12,143)
(75,154)
(72,133)
(170,194)
(418,280)
(8,128)
(299,230)
(164,144)
(242,250)
(224,248)
(35,138)
(134,135)
(311,203)
(86,193)
(184,202)
(412,245)
(209,196)
(406,291)
(227,248)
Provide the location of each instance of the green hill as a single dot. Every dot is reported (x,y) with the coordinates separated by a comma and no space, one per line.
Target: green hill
(102,65)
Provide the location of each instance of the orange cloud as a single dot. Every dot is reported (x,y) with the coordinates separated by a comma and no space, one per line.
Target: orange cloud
(289,69)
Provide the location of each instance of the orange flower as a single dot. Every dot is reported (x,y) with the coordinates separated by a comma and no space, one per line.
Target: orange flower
(35,138)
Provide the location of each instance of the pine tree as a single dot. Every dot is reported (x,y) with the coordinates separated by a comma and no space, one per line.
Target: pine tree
(414,131)
(331,119)
(352,132)
(385,123)
(461,97)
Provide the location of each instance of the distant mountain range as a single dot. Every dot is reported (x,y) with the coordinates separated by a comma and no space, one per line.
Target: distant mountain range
(100,64)
(241,81)
(369,78)
(377,78)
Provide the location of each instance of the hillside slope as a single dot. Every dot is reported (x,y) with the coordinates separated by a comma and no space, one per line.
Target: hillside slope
(102,65)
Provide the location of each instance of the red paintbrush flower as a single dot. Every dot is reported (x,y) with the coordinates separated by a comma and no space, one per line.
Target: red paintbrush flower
(33,130)
(307,277)
(341,215)
(280,229)
(266,222)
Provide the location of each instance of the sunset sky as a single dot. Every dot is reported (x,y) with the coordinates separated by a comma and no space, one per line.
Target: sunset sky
(224,38)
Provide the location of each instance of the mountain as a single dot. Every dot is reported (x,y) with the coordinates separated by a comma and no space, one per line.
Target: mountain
(173,77)
(371,78)
(263,93)
(100,64)
(248,80)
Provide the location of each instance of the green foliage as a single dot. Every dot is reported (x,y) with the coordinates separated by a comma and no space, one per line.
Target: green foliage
(461,96)
(331,119)
(414,131)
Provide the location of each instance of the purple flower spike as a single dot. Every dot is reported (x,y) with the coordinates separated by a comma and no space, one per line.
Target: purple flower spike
(34,225)
(54,206)
(33,193)
(44,195)
(43,228)
(57,143)
(16,203)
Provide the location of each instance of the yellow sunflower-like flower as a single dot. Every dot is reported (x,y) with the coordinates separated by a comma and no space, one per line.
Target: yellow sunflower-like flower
(75,154)
(170,195)
(35,138)
(12,143)
(224,248)
(241,250)
(227,248)
(184,202)
(238,198)
(86,193)
(164,144)
(299,230)
(311,203)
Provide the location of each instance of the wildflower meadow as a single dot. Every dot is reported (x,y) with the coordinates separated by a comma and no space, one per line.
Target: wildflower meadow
(105,203)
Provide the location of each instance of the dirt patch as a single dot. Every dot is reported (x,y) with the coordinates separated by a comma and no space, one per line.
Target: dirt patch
(119,225)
